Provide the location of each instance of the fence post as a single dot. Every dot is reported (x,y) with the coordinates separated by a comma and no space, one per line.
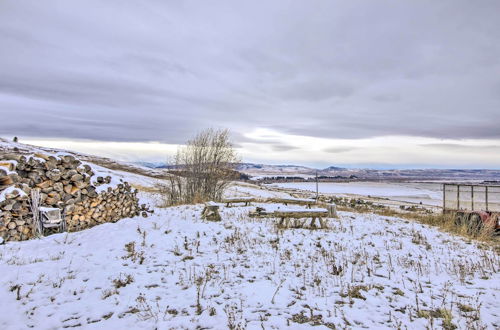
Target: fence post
(486,198)
(472,197)
(458,197)
(444,197)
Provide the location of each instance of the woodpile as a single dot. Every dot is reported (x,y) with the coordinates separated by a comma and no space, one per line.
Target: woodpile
(64,182)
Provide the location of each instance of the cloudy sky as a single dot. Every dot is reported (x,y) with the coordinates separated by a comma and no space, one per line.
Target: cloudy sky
(353,83)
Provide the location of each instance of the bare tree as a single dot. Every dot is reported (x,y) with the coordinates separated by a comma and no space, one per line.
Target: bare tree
(171,191)
(204,167)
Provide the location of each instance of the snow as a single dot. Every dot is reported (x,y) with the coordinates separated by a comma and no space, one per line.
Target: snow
(286,175)
(29,150)
(10,190)
(233,199)
(427,193)
(242,189)
(118,177)
(304,200)
(365,271)
(48,209)
(174,270)
(261,171)
(6,169)
(297,210)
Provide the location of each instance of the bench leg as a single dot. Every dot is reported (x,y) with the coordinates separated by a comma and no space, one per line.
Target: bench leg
(321,223)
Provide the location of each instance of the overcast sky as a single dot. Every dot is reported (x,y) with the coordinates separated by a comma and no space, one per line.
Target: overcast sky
(358,83)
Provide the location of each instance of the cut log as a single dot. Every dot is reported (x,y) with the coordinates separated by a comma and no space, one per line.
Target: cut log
(16,157)
(76,177)
(8,166)
(6,181)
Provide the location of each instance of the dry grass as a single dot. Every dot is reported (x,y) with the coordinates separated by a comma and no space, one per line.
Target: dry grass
(445,222)
(149,189)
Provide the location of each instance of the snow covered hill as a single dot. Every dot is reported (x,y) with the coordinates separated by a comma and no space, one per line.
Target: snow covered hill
(21,148)
(176,271)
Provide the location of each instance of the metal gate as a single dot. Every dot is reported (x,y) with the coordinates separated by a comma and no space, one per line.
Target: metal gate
(471,197)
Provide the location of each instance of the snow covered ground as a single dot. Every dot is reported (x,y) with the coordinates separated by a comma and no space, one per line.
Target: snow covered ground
(242,189)
(176,271)
(427,193)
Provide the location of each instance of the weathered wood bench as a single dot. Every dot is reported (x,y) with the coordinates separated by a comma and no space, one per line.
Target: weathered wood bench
(294,201)
(299,218)
(211,212)
(235,200)
(332,210)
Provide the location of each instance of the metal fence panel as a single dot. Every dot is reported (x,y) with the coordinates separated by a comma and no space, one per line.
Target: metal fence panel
(471,197)
(494,198)
(450,197)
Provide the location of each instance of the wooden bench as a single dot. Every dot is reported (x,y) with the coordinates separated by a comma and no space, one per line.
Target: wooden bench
(294,201)
(211,212)
(299,218)
(235,200)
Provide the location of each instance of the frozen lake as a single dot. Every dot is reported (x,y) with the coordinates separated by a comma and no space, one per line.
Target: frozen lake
(427,193)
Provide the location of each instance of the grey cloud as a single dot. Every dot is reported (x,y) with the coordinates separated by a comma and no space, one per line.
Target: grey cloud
(160,70)
(336,150)
(463,147)
(315,90)
(283,147)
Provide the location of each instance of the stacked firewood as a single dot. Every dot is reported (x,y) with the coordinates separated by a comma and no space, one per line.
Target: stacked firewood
(64,182)
(14,214)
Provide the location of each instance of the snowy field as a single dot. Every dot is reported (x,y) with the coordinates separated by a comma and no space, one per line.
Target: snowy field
(427,193)
(176,271)
(242,189)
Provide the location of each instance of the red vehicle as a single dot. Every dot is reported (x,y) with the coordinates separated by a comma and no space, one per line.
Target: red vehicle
(476,206)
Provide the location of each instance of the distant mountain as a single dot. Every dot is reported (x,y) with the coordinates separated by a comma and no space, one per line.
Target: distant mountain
(334,168)
(261,171)
(249,167)
(297,172)
(152,164)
